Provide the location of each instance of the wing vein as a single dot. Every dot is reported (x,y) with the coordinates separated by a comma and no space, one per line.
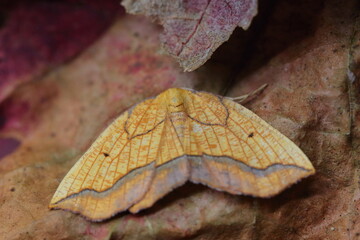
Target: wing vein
(87,173)
(182,147)
(204,132)
(267,157)
(151,136)
(142,116)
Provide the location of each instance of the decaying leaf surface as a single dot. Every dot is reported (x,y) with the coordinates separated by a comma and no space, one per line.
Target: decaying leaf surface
(314,98)
(54,126)
(38,36)
(194,29)
(308,54)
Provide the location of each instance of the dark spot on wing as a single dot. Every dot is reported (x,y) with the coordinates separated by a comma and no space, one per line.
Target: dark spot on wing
(251,135)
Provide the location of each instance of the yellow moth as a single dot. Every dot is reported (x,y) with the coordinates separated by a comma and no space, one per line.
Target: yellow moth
(180,135)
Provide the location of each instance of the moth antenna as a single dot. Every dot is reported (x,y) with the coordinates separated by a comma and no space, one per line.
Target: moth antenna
(246,97)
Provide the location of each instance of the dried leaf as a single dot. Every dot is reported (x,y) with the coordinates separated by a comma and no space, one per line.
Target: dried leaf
(38,36)
(54,125)
(308,55)
(194,29)
(312,97)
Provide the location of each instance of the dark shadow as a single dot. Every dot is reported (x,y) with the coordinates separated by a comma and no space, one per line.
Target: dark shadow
(278,25)
(306,189)
(218,232)
(2,118)
(182,192)
(8,146)
(185,191)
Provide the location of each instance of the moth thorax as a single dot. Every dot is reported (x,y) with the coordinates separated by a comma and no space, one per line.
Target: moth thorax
(178,117)
(178,120)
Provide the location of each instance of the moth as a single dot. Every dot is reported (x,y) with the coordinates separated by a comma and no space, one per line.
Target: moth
(181,135)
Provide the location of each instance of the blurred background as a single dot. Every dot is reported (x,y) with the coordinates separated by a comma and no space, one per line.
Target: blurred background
(68,68)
